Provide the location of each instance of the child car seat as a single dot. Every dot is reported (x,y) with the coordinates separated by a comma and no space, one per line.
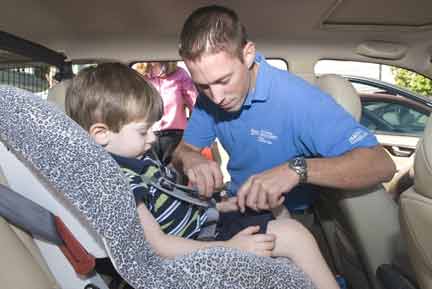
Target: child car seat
(80,171)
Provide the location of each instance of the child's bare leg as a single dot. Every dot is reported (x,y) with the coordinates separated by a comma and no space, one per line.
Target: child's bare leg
(280,212)
(293,240)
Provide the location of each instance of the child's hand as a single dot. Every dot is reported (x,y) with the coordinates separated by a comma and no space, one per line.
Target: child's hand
(227,205)
(247,240)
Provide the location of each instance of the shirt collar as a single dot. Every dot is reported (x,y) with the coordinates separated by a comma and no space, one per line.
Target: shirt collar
(262,83)
(137,165)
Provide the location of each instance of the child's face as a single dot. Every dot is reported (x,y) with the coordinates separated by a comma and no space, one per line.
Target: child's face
(132,141)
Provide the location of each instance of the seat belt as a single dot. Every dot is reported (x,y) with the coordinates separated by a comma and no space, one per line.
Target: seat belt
(189,195)
(41,223)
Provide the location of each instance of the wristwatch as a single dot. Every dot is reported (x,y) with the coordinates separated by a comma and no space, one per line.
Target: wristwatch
(299,166)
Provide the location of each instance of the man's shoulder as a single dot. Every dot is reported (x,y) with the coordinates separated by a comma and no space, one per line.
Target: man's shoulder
(294,88)
(283,77)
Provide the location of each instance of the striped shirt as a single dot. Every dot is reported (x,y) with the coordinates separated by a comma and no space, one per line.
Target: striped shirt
(176,217)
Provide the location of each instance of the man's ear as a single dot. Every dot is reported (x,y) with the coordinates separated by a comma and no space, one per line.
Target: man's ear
(100,133)
(249,54)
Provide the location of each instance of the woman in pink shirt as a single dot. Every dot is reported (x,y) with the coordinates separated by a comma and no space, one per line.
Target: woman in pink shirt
(178,93)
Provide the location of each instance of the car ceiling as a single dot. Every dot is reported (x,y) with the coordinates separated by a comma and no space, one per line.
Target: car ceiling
(106,28)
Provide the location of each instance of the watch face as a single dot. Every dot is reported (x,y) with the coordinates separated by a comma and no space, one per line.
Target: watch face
(299,166)
(298,162)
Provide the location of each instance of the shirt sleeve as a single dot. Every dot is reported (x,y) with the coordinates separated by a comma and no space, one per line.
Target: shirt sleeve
(200,130)
(326,129)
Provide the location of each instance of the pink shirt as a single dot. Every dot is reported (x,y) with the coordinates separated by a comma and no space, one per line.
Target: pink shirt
(177,91)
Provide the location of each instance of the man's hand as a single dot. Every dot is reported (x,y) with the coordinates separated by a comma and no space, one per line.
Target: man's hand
(264,191)
(205,175)
(247,240)
(227,205)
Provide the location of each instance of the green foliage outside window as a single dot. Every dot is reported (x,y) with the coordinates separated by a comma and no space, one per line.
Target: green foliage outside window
(413,81)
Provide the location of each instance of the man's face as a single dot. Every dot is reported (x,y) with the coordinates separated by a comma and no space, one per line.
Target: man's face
(223,78)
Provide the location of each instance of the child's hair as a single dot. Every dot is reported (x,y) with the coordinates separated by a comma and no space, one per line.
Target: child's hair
(113,94)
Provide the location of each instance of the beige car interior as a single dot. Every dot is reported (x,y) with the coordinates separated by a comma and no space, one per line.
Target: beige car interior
(416,211)
(21,265)
(344,94)
(57,93)
(356,246)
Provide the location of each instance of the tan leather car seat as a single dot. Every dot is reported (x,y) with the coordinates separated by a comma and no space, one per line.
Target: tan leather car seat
(21,264)
(57,93)
(416,211)
(361,226)
(342,91)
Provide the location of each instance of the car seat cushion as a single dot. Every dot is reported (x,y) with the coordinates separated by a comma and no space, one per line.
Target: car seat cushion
(423,163)
(64,157)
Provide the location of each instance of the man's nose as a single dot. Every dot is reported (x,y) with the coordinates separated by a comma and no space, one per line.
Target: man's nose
(217,94)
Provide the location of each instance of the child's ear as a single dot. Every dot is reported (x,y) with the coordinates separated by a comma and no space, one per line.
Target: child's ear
(100,133)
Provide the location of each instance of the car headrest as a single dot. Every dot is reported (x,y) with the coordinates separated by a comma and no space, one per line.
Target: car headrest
(423,163)
(64,157)
(342,91)
(57,93)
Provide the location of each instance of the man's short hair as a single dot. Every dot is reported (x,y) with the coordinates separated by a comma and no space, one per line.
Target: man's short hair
(212,29)
(113,94)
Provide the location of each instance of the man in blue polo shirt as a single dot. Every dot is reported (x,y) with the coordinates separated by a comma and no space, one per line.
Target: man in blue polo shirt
(278,130)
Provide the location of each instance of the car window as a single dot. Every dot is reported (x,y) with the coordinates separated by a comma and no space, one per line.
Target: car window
(278,63)
(78,67)
(355,68)
(34,77)
(367,88)
(383,107)
(393,118)
(359,72)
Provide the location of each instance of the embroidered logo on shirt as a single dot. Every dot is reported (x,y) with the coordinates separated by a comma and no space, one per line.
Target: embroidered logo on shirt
(263,135)
(357,136)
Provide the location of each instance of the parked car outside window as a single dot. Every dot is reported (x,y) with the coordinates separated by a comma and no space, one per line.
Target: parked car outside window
(396,116)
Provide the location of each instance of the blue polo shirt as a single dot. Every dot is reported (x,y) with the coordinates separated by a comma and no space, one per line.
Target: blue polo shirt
(283,117)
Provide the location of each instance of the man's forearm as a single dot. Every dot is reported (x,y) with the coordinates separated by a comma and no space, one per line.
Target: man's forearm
(182,154)
(360,168)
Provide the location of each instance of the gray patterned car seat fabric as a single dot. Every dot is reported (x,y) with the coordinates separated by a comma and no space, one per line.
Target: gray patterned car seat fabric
(62,155)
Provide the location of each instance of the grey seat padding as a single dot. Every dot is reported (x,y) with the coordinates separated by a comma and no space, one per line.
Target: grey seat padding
(62,155)
(28,215)
(21,265)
